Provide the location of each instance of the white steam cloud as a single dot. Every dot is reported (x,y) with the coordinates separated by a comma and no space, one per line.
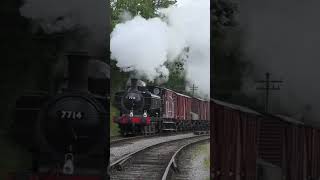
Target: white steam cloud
(140,43)
(146,44)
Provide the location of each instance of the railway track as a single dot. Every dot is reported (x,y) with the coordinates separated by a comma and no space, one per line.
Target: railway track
(151,162)
(119,139)
(116,140)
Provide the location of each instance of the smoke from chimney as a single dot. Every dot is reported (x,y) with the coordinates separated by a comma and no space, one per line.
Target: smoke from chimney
(88,22)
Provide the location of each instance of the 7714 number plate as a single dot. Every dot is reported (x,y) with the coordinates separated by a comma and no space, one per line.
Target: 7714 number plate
(71,115)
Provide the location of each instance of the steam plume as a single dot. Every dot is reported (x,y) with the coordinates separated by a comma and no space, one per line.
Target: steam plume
(146,44)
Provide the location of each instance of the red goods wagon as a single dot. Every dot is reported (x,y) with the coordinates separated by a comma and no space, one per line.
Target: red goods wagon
(195,105)
(234,131)
(204,110)
(188,108)
(294,152)
(312,149)
(281,143)
(183,107)
(169,104)
(271,140)
(208,111)
(201,107)
(201,112)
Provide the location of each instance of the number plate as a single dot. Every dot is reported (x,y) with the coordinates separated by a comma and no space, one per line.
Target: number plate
(75,115)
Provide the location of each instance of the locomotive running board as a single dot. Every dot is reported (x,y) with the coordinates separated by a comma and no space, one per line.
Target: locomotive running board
(169,130)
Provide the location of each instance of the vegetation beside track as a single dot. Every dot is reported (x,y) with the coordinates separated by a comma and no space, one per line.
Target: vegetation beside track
(114,129)
(13,157)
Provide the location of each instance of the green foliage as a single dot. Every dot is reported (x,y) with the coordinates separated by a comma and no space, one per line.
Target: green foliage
(144,8)
(228,65)
(114,129)
(223,15)
(177,76)
(119,78)
(231,64)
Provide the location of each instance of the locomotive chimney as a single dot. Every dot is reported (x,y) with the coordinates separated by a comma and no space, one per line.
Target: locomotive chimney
(134,83)
(78,71)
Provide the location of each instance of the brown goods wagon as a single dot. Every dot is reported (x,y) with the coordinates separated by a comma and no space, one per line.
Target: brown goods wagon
(195,107)
(234,131)
(188,108)
(208,111)
(312,149)
(293,161)
(183,107)
(201,107)
(271,139)
(169,98)
(203,110)
(281,143)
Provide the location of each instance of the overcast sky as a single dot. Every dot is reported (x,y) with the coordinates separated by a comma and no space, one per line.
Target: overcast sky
(283,37)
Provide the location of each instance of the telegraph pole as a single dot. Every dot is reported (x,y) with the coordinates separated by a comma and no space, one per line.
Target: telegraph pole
(268,87)
(194,88)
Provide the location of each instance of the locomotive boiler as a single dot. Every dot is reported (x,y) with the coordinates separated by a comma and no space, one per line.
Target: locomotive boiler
(67,131)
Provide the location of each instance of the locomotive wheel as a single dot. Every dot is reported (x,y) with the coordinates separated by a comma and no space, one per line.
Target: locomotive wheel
(145,130)
(153,128)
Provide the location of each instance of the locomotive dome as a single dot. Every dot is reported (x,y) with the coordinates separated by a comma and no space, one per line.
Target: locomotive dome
(140,83)
(98,69)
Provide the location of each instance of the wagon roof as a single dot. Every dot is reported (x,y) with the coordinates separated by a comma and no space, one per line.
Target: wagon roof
(288,119)
(236,107)
(182,94)
(200,99)
(174,92)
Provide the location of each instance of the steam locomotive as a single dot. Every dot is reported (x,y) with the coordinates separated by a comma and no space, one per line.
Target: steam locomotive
(67,132)
(151,109)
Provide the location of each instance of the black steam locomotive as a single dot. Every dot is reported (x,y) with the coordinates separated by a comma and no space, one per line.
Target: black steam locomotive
(142,107)
(67,132)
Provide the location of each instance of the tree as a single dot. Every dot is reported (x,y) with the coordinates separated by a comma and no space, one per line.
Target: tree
(144,8)
(177,75)
(230,63)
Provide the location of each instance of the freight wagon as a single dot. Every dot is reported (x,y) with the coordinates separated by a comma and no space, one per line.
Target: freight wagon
(246,144)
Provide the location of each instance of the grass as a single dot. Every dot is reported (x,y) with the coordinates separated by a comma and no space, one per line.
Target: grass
(13,158)
(201,149)
(114,130)
(205,150)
